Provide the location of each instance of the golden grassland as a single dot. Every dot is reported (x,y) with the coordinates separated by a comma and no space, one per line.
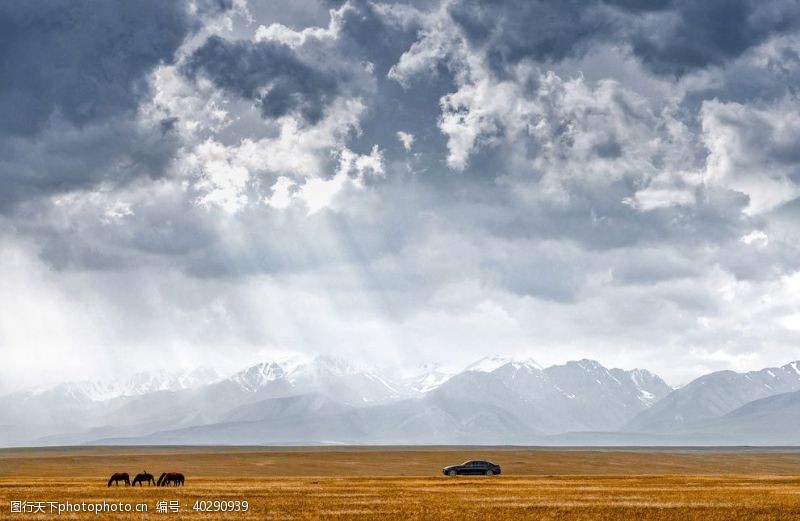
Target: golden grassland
(404,483)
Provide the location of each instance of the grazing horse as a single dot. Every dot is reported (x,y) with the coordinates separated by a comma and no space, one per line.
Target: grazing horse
(143,478)
(167,478)
(120,476)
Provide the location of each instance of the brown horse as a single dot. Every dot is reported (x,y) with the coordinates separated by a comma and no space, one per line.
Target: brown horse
(143,478)
(174,478)
(120,476)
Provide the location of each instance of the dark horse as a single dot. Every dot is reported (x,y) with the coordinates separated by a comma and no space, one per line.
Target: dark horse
(143,478)
(167,478)
(120,476)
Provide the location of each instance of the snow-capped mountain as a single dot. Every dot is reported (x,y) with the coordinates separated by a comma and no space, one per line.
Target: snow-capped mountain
(345,382)
(516,402)
(423,378)
(576,396)
(335,377)
(603,398)
(259,376)
(149,382)
(320,399)
(138,384)
(714,395)
(774,420)
(491,363)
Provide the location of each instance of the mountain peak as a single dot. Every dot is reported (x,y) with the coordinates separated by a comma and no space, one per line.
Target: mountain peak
(323,366)
(588,364)
(528,363)
(714,395)
(793,366)
(255,377)
(491,363)
(136,385)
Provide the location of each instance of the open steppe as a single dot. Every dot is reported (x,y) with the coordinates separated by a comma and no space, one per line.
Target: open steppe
(405,483)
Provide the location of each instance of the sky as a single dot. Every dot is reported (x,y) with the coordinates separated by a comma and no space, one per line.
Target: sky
(211,182)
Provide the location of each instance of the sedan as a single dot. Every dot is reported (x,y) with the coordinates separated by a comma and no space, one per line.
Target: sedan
(472,468)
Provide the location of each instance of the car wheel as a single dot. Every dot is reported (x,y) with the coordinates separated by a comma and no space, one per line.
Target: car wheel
(490,472)
(451,472)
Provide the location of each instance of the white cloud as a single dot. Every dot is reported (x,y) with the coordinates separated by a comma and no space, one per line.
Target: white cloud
(318,193)
(281,196)
(280,33)
(753,150)
(197,107)
(756,238)
(652,198)
(222,183)
(406,139)
(563,132)
(439,41)
(224,175)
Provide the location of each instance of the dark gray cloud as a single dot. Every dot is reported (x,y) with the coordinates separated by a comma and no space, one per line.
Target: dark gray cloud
(85,60)
(670,36)
(305,79)
(73,76)
(769,73)
(693,35)
(62,159)
(269,73)
(513,30)
(369,34)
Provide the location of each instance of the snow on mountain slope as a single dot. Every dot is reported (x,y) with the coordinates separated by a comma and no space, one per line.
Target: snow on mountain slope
(581,395)
(256,377)
(137,385)
(79,406)
(602,398)
(423,378)
(339,379)
(491,363)
(714,395)
(345,382)
(578,396)
(429,381)
(515,402)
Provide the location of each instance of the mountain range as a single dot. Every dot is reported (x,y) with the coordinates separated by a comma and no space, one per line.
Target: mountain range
(312,400)
(721,404)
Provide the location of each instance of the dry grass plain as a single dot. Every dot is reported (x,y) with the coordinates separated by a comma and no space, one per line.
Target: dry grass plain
(405,483)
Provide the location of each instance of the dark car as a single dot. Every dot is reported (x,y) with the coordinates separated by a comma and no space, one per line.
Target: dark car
(472,468)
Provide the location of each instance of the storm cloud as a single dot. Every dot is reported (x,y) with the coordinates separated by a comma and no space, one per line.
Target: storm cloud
(270,74)
(74,75)
(84,61)
(669,36)
(211,182)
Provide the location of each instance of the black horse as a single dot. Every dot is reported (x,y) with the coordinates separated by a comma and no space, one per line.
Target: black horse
(168,478)
(143,478)
(120,476)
